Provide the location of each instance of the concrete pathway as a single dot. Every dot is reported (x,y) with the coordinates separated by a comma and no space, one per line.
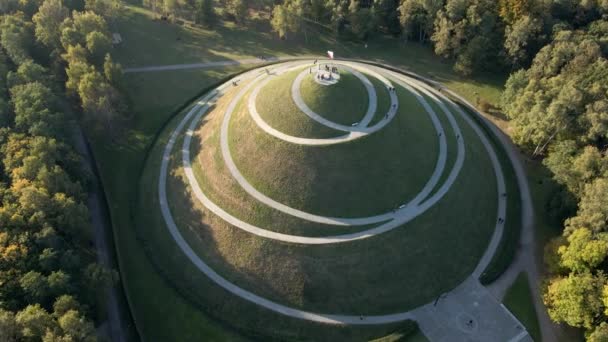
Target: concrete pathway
(467,313)
(369,114)
(398,217)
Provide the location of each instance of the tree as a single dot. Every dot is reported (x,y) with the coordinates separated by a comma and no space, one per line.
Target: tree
(16,37)
(512,10)
(75,30)
(600,334)
(361,19)
(286,19)
(99,46)
(77,326)
(35,108)
(9,330)
(238,10)
(521,38)
(592,208)
(29,72)
(469,32)
(576,299)
(386,15)
(204,13)
(35,321)
(584,252)
(48,21)
(100,101)
(35,285)
(417,18)
(59,283)
(65,303)
(107,8)
(48,259)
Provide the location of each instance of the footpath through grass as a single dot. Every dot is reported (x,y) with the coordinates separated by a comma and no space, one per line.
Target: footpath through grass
(345,102)
(276,106)
(518,300)
(365,177)
(161,312)
(380,275)
(119,163)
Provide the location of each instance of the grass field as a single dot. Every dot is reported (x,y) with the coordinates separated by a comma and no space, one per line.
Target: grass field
(156,96)
(344,103)
(277,108)
(390,166)
(518,300)
(155,42)
(251,262)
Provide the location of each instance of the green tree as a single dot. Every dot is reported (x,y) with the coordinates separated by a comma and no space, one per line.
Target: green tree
(584,252)
(29,72)
(16,37)
(75,30)
(576,299)
(238,10)
(77,326)
(35,321)
(48,21)
(361,19)
(521,39)
(600,334)
(204,13)
(35,285)
(35,108)
(99,45)
(417,18)
(9,330)
(593,208)
(65,303)
(59,283)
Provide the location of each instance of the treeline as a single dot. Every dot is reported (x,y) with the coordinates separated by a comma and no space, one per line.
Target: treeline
(50,283)
(559,110)
(480,35)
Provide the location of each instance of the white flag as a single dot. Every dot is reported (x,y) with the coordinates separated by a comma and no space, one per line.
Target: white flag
(330,54)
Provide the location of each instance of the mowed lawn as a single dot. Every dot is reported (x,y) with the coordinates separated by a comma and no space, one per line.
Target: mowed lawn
(276,106)
(368,176)
(204,295)
(120,163)
(345,102)
(155,96)
(217,183)
(518,300)
(385,274)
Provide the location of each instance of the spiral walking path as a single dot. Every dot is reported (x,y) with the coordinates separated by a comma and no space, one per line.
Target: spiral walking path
(468,312)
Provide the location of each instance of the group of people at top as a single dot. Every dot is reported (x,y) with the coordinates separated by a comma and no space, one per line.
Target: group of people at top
(329,77)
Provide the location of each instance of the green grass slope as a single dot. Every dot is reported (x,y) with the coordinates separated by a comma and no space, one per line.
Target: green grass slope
(345,102)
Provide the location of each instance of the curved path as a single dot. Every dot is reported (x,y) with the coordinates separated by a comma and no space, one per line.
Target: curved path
(356,132)
(492,321)
(369,114)
(397,218)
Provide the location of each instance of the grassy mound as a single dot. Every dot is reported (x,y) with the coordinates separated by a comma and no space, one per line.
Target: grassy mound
(345,102)
(380,275)
(365,177)
(390,271)
(277,108)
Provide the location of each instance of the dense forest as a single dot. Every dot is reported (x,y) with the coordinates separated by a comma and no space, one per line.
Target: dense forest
(55,69)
